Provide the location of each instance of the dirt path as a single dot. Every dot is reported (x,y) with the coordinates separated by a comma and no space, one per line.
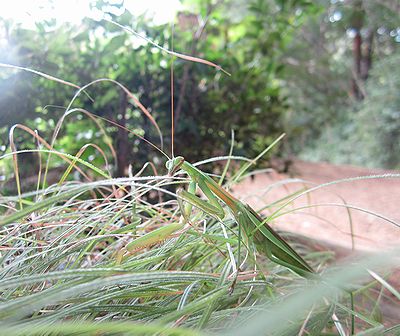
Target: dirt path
(331,223)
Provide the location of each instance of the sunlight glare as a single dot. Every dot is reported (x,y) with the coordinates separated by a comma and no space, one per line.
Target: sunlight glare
(27,12)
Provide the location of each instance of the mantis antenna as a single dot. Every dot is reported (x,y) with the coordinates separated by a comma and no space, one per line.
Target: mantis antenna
(172,92)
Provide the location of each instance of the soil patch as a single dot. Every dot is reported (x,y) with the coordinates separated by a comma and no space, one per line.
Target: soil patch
(322,214)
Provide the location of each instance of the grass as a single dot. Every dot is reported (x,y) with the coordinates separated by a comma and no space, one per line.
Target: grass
(59,271)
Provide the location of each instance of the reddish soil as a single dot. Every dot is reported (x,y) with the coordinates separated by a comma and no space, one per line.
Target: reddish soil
(331,223)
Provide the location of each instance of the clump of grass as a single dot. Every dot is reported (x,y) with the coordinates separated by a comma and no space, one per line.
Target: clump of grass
(59,271)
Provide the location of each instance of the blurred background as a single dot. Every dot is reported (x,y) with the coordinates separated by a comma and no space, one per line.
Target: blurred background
(325,72)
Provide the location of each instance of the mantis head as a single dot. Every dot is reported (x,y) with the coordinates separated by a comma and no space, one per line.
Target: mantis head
(174,164)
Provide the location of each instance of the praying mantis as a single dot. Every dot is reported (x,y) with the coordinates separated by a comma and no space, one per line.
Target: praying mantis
(266,240)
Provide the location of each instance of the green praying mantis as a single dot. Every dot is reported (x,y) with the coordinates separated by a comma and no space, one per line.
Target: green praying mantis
(266,240)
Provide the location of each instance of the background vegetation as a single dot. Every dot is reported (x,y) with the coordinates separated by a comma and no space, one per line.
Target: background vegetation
(325,72)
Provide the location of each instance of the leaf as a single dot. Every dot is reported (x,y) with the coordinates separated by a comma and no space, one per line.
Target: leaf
(114,44)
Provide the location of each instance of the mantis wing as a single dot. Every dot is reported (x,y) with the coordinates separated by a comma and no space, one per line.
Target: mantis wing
(268,241)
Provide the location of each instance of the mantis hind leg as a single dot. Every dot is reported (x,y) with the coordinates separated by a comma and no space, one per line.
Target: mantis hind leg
(240,220)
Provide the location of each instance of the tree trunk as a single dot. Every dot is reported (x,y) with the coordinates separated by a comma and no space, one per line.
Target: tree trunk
(367,55)
(357,65)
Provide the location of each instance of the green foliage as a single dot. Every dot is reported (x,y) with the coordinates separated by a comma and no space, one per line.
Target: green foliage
(291,67)
(250,101)
(324,119)
(81,55)
(378,121)
(369,135)
(209,105)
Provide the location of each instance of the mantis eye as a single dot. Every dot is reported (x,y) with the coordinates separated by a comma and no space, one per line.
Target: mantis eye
(169,164)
